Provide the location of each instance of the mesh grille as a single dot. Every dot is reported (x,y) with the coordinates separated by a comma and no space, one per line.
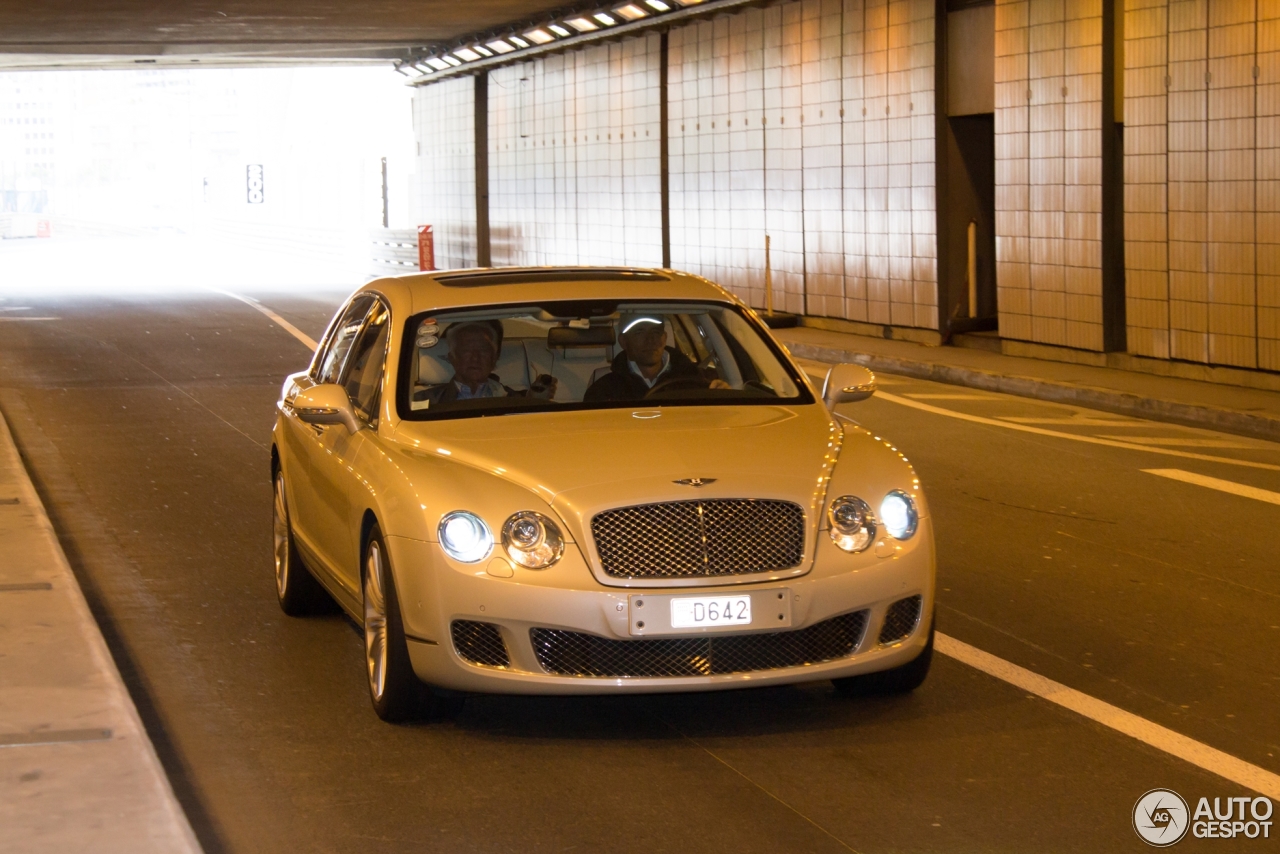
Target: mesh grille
(480,643)
(688,539)
(577,654)
(900,620)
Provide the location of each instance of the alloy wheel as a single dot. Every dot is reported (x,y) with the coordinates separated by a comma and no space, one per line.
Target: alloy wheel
(375,621)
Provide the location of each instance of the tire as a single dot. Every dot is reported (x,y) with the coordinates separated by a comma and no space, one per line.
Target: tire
(297,590)
(394,689)
(902,679)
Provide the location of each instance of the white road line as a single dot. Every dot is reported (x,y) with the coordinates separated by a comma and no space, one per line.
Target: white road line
(1161,738)
(1090,440)
(25,319)
(1183,443)
(951,396)
(1218,484)
(279,321)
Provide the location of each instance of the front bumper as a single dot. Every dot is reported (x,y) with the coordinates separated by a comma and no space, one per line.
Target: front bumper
(434,592)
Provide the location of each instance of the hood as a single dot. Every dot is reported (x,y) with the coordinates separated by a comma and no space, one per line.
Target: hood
(584,462)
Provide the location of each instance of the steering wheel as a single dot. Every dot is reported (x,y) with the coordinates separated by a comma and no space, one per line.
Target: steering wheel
(679,384)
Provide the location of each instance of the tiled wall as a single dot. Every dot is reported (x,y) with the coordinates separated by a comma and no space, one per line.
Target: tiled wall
(574,166)
(1049,171)
(811,122)
(446,182)
(1201,220)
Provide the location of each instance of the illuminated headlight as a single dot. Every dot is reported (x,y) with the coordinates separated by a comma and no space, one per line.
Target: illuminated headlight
(464,536)
(853,525)
(532,540)
(898,513)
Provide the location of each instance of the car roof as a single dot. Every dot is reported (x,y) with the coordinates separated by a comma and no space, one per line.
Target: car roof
(447,289)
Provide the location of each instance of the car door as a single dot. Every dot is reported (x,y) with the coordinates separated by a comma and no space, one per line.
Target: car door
(335,473)
(306,443)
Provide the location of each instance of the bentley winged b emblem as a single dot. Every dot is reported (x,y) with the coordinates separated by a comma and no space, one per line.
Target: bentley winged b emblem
(695,482)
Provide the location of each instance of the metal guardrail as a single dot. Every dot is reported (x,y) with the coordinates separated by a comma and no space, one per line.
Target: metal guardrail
(393,251)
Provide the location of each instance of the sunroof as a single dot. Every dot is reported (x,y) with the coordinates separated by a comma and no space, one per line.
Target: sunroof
(482,278)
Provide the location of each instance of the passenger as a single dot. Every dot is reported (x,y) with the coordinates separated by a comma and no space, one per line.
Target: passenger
(645,361)
(474,347)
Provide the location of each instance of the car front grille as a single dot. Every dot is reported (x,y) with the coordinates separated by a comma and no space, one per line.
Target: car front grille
(691,539)
(480,643)
(900,619)
(578,654)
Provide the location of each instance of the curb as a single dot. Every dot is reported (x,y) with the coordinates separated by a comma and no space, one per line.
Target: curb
(1107,400)
(77,769)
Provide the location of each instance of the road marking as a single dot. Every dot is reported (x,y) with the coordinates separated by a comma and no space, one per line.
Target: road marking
(1161,738)
(25,319)
(1183,443)
(1075,422)
(280,321)
(1218,484)
(52,736)
(1090,440)
(953,396)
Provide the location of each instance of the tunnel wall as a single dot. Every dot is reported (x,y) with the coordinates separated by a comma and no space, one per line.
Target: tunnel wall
(811,122)
(1137,167)
(444,123)
(1048,78)
(1202,151)
(574,157)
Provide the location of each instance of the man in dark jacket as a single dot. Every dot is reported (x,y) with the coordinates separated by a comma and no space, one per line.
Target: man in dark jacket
(645,361)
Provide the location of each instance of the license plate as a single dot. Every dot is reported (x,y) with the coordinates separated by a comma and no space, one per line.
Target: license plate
(697,612)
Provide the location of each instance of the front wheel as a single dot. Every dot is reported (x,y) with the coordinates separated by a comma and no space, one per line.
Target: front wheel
(297,590)
(902,679)
(393,687)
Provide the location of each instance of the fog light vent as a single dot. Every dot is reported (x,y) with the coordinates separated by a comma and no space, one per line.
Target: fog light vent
(480,643)
(900,620)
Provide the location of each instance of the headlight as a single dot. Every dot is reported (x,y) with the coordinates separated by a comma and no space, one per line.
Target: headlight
(853,525)
(898,513)
(532,540)
(465,537)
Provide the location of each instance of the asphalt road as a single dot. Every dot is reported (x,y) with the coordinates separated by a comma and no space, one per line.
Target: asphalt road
(145,420)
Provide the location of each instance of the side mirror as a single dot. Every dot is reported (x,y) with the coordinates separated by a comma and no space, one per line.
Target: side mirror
(847,383)
(326,404)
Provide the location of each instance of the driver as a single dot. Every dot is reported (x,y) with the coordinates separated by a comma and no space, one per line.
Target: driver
(645,361)
(474,347)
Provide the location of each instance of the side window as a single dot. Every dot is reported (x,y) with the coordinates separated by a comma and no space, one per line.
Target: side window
(329,365)
(363,376)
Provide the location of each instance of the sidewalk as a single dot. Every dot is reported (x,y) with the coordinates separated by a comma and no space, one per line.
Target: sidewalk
(77,771)
(1228,408)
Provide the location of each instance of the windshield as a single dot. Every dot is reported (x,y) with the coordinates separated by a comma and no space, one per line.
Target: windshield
(588,355)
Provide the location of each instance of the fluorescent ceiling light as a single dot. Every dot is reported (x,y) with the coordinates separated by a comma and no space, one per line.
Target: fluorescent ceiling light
(482,50)
(604,19)
(466,54)
(452,60)
(437,63)
(631,12)
(517,41)
(657,5)
(583,25)
(500,47)
(560,31)
(539,36)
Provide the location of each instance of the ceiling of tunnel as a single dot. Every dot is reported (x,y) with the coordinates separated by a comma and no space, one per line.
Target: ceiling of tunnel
(60,33)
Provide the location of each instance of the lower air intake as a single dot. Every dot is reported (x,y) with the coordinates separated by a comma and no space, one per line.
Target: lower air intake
(900,620)
(480,643)
(577,654)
